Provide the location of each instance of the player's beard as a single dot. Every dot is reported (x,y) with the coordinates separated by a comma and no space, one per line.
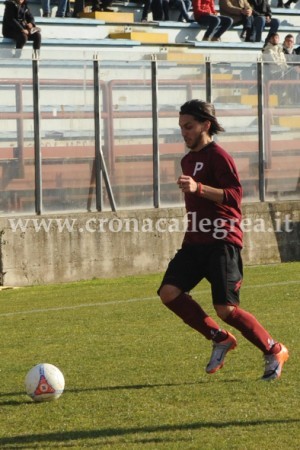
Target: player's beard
(197,142)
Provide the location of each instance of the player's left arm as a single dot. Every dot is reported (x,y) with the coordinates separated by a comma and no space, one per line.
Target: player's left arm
(228,179)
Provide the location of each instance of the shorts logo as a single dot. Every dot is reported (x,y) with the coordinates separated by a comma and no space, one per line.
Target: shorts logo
(198,167)
(238,285)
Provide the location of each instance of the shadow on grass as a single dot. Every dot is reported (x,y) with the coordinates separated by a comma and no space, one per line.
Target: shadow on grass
(135,386)
(66,436)
(106,388)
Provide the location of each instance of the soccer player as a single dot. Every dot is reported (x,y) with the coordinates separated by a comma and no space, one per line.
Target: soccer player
(212,244)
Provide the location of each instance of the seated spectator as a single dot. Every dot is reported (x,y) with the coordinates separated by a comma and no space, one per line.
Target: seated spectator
(262,14)
(277,68)
(287,5)
(61,9)
(18,24)
(97,5)
(288,46)
(159,8)
(241,13)
(206,15)
(183,6)
(102,5)
(273,53)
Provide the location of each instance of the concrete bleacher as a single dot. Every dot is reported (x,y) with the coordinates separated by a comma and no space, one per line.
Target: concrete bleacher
(124,28)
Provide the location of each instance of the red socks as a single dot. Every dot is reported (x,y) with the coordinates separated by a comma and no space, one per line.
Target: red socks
(193,315)
(252,330)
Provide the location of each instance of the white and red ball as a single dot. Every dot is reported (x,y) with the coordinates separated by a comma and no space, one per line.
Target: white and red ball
(44,383)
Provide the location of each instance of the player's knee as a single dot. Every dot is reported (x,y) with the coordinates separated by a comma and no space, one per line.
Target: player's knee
(168,293)
(223,311)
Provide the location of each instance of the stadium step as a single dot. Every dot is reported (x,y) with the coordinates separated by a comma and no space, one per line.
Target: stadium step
(291,121)
(142,36)
(112,17)
(252,100)
(185,58)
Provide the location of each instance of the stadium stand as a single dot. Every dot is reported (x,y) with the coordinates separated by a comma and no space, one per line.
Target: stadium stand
(126,21)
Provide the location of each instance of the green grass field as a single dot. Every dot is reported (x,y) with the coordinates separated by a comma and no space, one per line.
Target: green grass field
(134,372)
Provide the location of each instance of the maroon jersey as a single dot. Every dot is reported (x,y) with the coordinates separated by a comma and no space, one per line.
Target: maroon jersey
(208,221)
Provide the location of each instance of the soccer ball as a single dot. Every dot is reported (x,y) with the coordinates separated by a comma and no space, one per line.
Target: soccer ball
(44,383)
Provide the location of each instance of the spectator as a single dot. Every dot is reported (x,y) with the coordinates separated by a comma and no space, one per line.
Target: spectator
(288,47)
(159,8)
(18,24)
(241,13)
(273,53)
(183,6)
(206,15)
(102,5)
(287,5)
(262,14)
(61,9)
(97,5)
(278,69)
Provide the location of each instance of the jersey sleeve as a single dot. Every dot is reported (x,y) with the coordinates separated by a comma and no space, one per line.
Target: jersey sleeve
(227,178)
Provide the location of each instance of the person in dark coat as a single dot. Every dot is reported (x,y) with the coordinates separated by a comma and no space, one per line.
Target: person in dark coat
(159,8)
(183,7)
(18,24)
(288,47)
(262,14)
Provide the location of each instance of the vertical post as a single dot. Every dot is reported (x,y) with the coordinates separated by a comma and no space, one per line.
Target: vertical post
(20,130)
(155,134)
(261,130)
(100,166)
(37,136)
(97,129)
(208,80)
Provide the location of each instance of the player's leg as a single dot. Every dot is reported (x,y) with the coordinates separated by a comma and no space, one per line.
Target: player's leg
(275,353)
(231,271)
(217,272)
(183,273)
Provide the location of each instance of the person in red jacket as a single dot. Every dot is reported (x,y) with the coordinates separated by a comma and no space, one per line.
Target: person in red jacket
(206,15)
(212,244)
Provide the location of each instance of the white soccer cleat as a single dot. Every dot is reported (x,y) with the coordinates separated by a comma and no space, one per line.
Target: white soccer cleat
(219,352)
(274,364)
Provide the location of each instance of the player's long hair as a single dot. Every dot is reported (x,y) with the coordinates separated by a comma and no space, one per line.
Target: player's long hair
(202,111)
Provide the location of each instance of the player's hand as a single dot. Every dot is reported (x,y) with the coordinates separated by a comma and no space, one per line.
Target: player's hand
(187,184)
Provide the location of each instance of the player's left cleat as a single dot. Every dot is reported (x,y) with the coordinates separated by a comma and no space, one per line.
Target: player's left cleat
(274,364)
(219,352)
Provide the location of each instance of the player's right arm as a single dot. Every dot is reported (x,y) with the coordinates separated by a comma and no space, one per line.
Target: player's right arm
(188,185)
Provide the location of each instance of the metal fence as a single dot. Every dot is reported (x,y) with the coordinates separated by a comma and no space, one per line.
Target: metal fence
(102,133)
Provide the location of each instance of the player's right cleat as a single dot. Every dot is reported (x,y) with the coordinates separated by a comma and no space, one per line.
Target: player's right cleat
(219,352)
(274,364)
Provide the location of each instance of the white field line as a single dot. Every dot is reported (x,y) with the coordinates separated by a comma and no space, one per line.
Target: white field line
(132,300)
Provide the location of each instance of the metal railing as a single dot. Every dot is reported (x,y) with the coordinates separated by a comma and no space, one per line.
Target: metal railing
(131,146)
